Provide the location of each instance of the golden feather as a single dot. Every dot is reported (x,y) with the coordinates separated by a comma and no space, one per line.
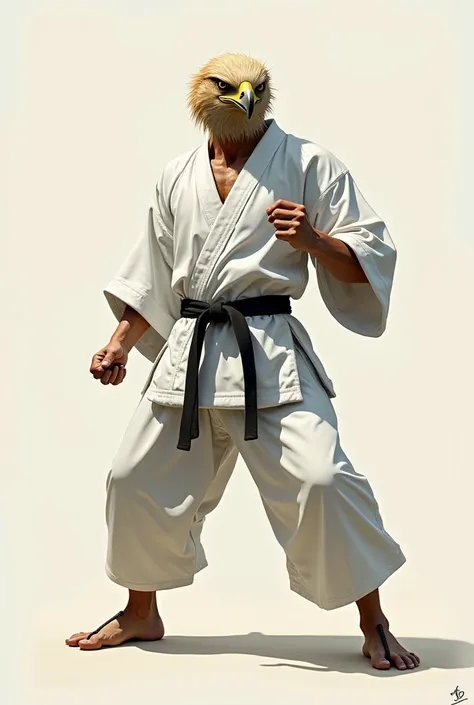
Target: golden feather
(223,120)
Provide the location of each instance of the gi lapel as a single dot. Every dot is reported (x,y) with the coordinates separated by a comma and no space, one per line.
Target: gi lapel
(209,198)
(222,218)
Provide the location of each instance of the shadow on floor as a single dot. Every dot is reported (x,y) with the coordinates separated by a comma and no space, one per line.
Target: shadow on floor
(316,653)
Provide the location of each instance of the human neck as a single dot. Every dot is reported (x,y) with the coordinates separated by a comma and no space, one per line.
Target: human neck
(230,151)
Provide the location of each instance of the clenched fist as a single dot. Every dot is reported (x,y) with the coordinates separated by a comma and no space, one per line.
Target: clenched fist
(291,224)
(108,364)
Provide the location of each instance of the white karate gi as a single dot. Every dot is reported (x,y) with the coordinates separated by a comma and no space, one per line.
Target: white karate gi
(322,512)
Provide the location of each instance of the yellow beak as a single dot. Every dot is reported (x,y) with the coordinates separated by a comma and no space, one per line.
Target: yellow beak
(244,99)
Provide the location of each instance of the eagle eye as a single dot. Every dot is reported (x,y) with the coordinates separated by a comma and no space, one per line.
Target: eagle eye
(260,88)
(222,85)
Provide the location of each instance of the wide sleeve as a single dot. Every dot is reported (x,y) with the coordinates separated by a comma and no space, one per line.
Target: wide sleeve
(144,280)
(343,213)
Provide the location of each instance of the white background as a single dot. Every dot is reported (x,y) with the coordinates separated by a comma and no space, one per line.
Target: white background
(92,106)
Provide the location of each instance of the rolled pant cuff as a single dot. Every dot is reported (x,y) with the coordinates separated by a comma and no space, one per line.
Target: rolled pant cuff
(153,587)
(335,603)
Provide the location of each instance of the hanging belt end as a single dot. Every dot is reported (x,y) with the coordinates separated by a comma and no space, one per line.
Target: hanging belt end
(183,446)
(251,436)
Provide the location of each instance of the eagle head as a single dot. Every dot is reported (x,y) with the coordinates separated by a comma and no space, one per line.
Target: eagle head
(230,97)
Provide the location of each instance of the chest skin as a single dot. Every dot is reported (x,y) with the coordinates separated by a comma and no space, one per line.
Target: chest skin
(225,176)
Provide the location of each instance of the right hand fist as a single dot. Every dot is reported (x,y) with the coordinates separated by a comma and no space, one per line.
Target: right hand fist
(108,364)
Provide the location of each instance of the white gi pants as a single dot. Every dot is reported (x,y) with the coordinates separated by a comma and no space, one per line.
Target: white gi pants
(323,513)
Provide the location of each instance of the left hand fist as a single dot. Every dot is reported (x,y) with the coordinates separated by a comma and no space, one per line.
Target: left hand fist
(291,224)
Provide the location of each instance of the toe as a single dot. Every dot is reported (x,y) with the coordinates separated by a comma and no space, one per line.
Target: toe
(90,644)
(398,662)
(75,639)
(408,660)
(103,638)
(379,661)
(415,658)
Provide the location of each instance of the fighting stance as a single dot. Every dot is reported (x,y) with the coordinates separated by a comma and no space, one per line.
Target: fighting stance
(233,229)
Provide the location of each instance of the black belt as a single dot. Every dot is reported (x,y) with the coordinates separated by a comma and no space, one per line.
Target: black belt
(235,312)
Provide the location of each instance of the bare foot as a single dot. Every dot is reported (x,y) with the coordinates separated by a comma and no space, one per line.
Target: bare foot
(373,649)
(125,627)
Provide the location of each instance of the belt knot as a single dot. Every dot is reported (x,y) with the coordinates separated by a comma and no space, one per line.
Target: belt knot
(235,312)
(217,313)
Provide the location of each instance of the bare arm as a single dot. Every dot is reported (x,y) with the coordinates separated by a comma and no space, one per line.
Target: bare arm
(292,225)
(108,364)
(130,329)
(337,257)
